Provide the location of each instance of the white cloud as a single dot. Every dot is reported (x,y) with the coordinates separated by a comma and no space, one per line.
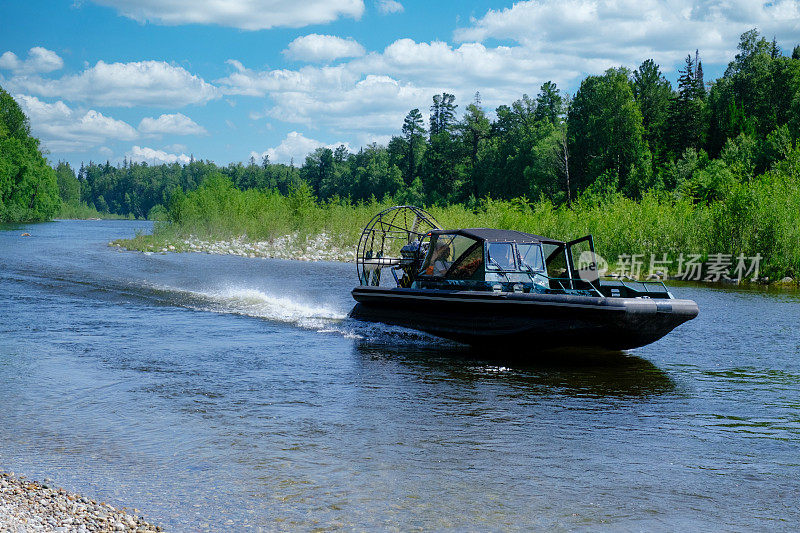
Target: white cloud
(147,83)
(315,47)
(143,154)
(373,93)
(67,130)
(390,6)
(376,103)
(254,83)
(242,14)
(39,60)
(295,147)
(630,31)
(178,124)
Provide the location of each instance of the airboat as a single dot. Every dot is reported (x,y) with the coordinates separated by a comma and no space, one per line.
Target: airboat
(485,286)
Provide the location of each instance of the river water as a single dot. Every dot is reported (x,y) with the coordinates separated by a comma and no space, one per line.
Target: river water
(228,393)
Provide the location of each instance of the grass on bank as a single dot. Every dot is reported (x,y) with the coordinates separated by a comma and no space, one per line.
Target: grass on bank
(760,216)
(81,211)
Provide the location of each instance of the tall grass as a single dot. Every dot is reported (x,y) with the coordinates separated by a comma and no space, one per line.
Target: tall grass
(760,217)
(82,211)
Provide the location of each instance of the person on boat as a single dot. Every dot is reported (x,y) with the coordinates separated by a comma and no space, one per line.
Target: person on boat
(438,264)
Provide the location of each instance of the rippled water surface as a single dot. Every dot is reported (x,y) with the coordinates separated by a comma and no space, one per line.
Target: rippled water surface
(231,393)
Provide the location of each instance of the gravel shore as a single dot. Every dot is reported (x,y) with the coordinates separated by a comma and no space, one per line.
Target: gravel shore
(314,248)
(27,506)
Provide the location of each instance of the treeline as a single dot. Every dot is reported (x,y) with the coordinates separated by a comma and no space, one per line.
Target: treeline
(141,190)
(28,189)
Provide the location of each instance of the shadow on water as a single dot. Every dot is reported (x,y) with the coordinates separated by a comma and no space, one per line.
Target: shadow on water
(566,372)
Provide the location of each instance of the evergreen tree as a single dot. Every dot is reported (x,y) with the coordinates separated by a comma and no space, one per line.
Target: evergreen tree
(441,180)
(548,103)
(414,135)
(443,113)
(474,128)
(699,82)
(686,128)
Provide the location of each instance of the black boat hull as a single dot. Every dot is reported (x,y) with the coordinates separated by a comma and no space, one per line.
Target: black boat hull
(540,321)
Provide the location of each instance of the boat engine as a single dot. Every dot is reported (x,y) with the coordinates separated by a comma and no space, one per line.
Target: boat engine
(411,257)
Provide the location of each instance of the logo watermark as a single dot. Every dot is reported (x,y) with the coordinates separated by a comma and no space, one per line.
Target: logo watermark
(591,266)
(688,267)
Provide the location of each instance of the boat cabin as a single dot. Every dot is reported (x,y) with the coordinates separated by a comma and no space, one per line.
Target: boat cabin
(514,261)
(491,259)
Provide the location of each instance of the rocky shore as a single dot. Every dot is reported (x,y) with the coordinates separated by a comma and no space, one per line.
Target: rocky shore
(29,506)
(314,248)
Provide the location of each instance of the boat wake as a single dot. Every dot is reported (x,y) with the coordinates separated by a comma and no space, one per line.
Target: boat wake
(308,315)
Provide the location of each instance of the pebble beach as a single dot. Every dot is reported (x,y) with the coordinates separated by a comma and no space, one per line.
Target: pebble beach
(30,506)
(314,248)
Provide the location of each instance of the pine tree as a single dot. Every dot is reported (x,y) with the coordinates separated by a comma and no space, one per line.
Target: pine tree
(474,129)
(699,82)
(685,120)
(548,103)
(443,113)
(413,132)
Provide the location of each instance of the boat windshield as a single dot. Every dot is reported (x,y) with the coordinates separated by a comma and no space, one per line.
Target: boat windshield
(444,250)
(530,255)
(500,256)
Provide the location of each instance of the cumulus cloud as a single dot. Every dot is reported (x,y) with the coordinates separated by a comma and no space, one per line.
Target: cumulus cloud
(242,14)
(143,154)
(178,124)
(629,31)
(146,83)
(390,6)
(294,147)
(373,93)
(66,130)
(40,60)
(374,104)
(315,47)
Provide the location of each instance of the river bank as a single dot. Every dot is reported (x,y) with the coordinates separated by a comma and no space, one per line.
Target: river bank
(32,506)
(320,247)
(218,218)
(292,246)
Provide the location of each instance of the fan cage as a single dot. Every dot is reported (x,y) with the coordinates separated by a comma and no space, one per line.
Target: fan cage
(384,236)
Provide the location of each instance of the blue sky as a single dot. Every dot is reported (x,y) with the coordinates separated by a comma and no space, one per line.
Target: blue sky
(160,80)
